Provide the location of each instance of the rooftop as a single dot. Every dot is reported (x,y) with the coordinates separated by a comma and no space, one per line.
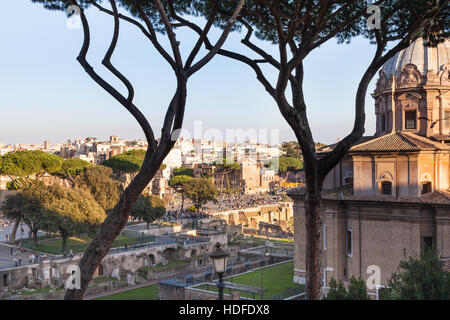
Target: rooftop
(427,59)
(399,141)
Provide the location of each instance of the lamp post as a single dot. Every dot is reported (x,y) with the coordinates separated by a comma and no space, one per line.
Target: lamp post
(219,260)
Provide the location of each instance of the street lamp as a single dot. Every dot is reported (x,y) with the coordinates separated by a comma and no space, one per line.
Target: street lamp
(219,260)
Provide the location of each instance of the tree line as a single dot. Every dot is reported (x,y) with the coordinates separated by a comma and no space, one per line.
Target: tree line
(78,199)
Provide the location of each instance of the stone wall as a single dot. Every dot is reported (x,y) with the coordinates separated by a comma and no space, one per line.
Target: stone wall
(123,263)
(377,233)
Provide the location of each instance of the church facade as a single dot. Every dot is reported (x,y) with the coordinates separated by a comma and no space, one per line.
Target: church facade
(390,195)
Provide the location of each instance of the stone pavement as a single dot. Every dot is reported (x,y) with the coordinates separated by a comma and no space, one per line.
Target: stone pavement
(6,259)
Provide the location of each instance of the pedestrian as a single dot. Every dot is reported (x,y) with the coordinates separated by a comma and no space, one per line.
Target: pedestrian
(11,250)
(15,262)
(71,253)
(20,261)
(6,237)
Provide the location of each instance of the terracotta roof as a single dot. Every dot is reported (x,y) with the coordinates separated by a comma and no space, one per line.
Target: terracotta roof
(441,137)
(399,141)
(331,147)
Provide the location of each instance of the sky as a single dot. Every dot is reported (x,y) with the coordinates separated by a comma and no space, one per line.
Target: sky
(46,95)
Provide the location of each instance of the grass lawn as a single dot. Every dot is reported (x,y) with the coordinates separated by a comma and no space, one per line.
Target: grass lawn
(144,293)
(262,240)
(276,280)
(77,244)
(171,264)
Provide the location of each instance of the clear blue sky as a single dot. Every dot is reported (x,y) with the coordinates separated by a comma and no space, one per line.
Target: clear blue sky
(46,95)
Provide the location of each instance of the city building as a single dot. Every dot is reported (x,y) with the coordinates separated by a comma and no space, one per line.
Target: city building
(391,193)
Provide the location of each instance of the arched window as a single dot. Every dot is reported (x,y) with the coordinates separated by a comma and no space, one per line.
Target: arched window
(386,188)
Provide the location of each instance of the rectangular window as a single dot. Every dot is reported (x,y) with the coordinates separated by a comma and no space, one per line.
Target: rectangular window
(349,243)
(410,120)
(5,280)
(447,119)
(426,188)
(383,122)
(324,237)
(427,243)
(386,188)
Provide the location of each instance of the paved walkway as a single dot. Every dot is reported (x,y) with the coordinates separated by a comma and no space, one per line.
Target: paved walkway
(7,259)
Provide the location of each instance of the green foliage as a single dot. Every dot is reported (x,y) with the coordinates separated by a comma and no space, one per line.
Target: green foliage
(148,208)
(420,278)
(285,164)
(178,182)
(18,207)
(54,209)
(192,208)
(74,167)
(127,162)
(226,166)
(183,171)
(357,290)
(98,181)
(200,191)
(291,149)
(28,163)
(337,290)
(346,20)
(68,212)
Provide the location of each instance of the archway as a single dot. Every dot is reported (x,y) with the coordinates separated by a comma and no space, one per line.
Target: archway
(152,259)
(170,254)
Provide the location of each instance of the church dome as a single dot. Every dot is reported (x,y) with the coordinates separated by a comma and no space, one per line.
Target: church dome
(426,59)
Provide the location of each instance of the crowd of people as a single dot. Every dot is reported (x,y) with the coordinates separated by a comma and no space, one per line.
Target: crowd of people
(227,202)
(173,215)
(224,202)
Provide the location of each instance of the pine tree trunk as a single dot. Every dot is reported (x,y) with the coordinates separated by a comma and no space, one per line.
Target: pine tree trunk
(118,217)
(182,200)
(12,239)
(313,224)
(35,237)
(109,230)
(64,241)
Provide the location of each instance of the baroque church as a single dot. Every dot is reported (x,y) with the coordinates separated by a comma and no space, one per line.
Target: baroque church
(390,195)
